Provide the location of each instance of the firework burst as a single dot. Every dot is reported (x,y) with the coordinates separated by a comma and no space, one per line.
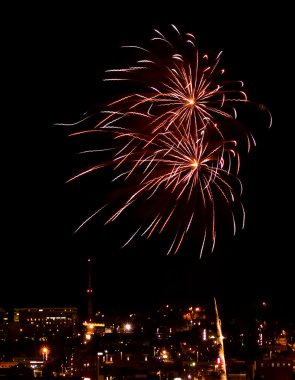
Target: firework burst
(178,85)
(174,142)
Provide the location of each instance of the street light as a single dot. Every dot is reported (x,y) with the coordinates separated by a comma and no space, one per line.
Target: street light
(45,354)
(127,327)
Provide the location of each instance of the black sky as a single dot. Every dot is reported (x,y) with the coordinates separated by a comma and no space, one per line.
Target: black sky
(55,59)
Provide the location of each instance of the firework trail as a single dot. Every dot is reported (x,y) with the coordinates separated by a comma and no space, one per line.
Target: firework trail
(220,344)
(173,142)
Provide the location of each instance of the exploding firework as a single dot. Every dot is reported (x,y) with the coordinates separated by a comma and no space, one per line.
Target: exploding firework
(176,84)
(174,142)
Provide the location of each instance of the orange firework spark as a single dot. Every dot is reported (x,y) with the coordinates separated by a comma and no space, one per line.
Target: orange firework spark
(175,138)
(178,87)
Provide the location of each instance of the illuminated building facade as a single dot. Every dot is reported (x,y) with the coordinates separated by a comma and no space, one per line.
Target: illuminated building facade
(46,323)
(276,369)
(3,324)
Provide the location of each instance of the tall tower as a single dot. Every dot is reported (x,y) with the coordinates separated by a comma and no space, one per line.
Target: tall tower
(89,325)
(89,292)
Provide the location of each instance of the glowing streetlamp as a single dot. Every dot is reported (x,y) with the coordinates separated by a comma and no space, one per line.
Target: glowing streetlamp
(127,327)
(45,352)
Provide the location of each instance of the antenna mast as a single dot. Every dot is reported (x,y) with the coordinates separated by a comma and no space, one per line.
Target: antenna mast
(89,291)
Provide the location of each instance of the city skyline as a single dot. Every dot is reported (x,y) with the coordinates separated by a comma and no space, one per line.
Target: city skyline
(55,76)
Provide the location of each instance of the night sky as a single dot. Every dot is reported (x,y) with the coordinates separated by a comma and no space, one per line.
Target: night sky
(55,59)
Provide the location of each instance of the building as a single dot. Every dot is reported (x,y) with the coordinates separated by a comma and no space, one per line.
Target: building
(3,324)
(42,324)
(275,369)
